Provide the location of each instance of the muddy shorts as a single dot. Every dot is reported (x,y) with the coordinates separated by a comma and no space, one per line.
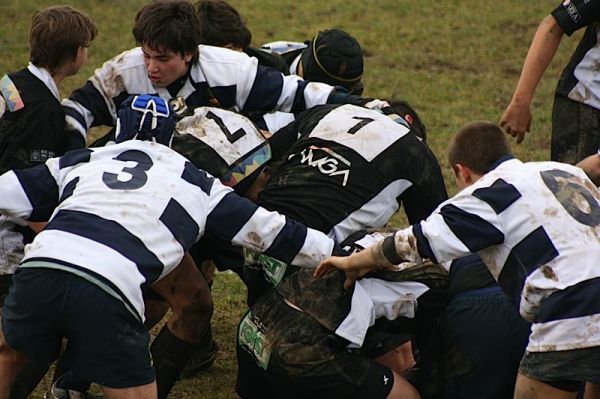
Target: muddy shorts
(565,370)
(282,352)
(575,131)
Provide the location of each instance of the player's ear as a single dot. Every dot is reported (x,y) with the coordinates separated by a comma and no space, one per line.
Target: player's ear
(463,175)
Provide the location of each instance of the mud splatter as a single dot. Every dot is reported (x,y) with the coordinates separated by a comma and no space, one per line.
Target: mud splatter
(548,272)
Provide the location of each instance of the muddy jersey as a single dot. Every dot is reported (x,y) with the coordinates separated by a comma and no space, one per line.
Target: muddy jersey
(220,77)
(579,80)
(351,169)
(123,216)
(224,143)
(536,226)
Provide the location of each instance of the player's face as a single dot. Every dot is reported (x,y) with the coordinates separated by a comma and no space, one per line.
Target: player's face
(165,66)
(80,58)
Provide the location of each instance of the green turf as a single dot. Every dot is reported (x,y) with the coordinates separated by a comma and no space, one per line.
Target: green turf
(454,60)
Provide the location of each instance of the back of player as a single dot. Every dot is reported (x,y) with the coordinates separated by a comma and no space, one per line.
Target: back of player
(535,226)
(224,143)
(351,169)
(122,191)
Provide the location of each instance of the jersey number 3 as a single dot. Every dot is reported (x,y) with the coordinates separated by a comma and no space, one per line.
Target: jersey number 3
(137,174)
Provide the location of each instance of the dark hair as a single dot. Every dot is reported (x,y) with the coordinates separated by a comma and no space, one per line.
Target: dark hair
(478,145)
(406,111)
(55,35)
(334,57)
(221,24)
(168,25)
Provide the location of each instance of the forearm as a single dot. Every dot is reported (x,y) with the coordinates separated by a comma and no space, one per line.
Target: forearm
(543,47)
(401,247)
(591,166)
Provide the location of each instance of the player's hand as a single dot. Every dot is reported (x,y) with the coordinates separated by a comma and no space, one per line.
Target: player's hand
(516,120)
(377,104)
(353,271)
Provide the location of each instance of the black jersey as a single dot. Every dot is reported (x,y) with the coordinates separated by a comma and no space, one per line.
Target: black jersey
(32,129)
(579,80)
(351,169)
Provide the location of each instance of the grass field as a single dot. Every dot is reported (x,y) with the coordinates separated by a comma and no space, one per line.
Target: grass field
(454,60)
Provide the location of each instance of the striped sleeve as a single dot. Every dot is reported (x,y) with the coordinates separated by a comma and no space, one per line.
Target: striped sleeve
(96,102)
(243,223)
(462,225)
(258,88)
(32,193)
(271,90)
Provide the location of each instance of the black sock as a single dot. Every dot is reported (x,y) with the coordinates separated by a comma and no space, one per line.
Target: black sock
(169,354)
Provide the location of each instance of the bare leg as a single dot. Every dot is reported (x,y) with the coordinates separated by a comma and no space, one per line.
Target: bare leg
(154,312)
(398,359)
(528,388)
(592,391)
(147,391)
(11,363)
(402,389)
(188,295)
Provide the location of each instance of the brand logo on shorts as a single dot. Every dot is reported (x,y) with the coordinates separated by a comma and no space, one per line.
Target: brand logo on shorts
(385,379)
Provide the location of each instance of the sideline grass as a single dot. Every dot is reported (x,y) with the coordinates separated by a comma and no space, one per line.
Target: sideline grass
(454,60)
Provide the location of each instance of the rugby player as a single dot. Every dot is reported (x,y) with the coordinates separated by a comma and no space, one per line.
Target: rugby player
(535,226)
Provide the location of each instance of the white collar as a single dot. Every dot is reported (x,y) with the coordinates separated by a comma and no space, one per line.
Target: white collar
(294,65)
(43,75)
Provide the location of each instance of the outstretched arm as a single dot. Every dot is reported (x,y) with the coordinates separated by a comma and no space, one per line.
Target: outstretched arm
(395,252)
(516,119)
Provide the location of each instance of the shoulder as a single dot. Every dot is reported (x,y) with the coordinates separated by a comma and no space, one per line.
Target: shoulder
(23,90)
(572,15)
(128,60)
(220,55)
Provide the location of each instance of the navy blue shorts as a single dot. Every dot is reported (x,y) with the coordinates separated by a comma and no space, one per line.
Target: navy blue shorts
(484,340)
(106,343)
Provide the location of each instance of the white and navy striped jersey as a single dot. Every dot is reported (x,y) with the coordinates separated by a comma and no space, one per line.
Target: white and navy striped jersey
(351,169)
(536,226)
(220,77)
(122,216)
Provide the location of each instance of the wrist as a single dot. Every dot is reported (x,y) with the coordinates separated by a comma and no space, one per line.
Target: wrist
(521,100)
(389,252)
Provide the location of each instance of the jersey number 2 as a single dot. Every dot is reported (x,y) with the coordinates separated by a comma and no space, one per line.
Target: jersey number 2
(232,137)
(137,174)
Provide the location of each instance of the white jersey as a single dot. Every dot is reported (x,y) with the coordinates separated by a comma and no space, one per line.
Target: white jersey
(220,77)
(123,216)
(537,228)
